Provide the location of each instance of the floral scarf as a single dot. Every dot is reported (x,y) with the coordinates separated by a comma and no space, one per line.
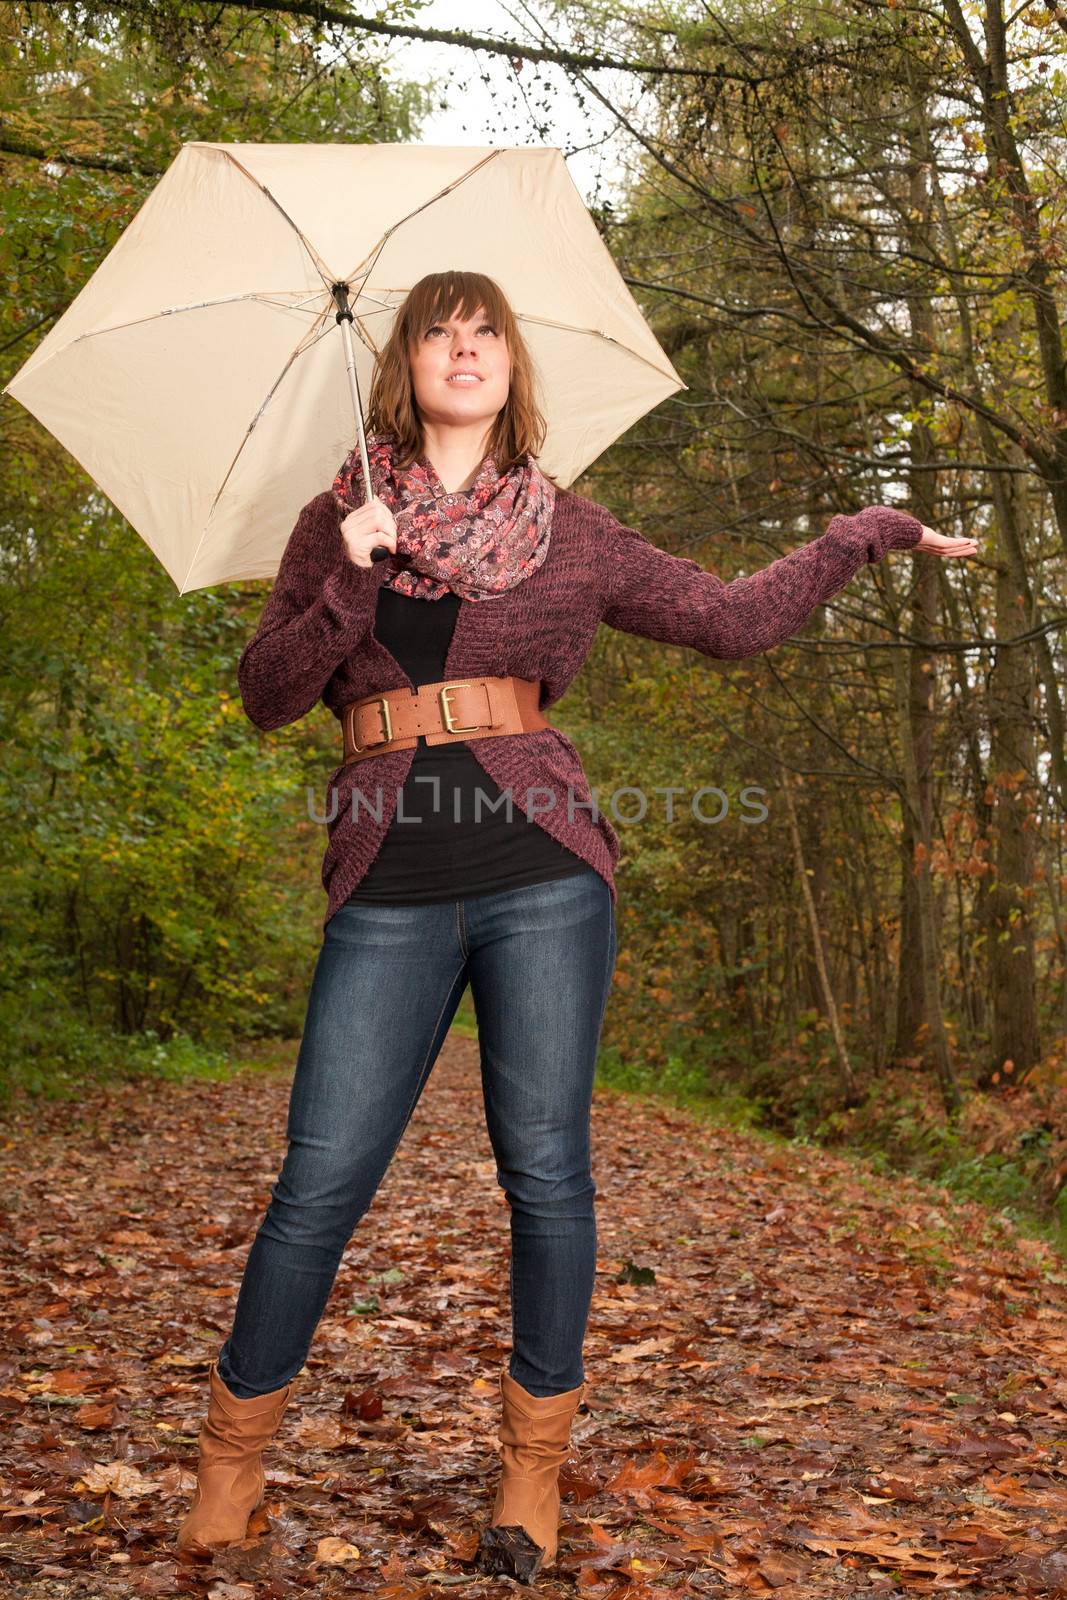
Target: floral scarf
(476,543)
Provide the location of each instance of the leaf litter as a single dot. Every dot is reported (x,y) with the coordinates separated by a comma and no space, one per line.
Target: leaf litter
(801,1380)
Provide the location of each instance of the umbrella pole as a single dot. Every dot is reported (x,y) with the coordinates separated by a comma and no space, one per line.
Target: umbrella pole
(344,318)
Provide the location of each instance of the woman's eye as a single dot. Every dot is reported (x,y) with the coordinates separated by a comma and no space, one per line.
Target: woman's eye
(438,328)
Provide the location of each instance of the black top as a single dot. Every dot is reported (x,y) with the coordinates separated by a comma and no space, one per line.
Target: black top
(446,854)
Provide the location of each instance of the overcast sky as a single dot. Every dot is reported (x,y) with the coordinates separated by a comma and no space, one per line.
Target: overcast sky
(536,106)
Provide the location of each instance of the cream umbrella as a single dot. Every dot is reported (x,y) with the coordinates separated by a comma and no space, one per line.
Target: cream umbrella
(207,374)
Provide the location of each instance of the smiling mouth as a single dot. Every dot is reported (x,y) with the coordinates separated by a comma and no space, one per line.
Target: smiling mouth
(468,380)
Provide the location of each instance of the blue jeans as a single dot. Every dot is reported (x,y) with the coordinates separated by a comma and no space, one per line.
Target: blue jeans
(387,983)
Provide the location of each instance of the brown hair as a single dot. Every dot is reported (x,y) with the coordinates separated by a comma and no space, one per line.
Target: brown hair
(519,426)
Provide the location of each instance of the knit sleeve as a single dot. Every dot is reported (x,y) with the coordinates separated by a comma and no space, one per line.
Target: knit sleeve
(320,607)
(670,598)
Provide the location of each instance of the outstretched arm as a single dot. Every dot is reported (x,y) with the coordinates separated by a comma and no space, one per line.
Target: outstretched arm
(321,605)
(670,598)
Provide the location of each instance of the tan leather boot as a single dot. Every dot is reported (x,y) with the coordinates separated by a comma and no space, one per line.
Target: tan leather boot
(520,1538)
(229,1474)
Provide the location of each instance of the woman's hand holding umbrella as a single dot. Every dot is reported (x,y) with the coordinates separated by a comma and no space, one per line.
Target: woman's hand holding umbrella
(369,533)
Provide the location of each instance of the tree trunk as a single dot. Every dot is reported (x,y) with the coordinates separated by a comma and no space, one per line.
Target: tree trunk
(1012,977)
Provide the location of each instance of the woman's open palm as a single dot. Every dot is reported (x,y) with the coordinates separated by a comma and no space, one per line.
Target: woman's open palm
(938,544)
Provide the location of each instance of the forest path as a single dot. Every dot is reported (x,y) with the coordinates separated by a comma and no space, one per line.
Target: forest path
(801,1377)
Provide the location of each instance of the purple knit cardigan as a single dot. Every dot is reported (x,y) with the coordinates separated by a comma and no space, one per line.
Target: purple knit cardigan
(315,640)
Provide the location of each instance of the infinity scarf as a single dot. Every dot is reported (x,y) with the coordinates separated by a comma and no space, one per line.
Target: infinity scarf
(476,542)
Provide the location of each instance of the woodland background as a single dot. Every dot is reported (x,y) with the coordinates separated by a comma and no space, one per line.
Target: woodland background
(846,226)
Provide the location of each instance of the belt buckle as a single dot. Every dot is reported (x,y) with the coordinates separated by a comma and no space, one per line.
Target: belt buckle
(387,725)
(450,726)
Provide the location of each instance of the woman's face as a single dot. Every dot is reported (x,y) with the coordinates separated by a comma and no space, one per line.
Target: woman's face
(444,351)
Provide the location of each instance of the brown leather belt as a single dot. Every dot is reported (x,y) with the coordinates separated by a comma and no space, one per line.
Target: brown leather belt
(443,712)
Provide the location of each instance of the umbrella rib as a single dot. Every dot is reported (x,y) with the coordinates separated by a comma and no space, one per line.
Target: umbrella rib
(301,348)
(372,257)
(263,295)
(598,333)
(313,255)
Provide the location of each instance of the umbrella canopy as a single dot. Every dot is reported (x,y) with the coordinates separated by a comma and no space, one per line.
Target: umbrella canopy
(200,375)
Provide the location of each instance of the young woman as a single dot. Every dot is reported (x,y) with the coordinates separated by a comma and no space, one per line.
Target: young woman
(440,662)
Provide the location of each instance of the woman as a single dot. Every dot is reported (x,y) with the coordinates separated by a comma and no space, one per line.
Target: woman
(440,662)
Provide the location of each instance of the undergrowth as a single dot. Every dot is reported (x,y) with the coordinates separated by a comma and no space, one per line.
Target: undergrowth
(1005,1151)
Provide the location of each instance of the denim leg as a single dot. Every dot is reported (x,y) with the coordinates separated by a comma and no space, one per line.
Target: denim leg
(387,983)
(541,960)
